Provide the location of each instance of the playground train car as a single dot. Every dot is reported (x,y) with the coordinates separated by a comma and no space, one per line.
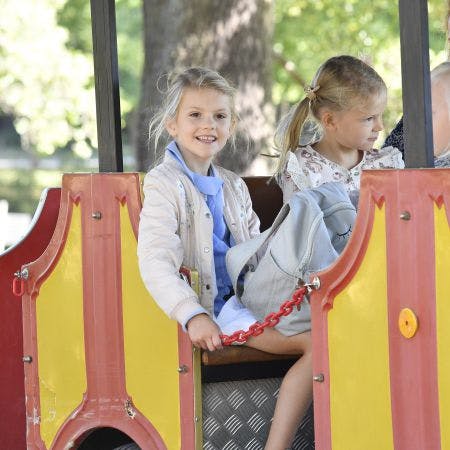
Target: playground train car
(90,361)
(104,367)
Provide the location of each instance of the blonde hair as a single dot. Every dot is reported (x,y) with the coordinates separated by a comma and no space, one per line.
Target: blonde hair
(338,84)
(191,78)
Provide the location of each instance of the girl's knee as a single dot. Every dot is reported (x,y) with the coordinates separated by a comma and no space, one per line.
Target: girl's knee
(303,342)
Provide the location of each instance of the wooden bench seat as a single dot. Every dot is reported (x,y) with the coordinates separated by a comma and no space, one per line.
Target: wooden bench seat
(235,354)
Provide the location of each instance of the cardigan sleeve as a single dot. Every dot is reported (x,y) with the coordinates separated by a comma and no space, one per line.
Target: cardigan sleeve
(161,253)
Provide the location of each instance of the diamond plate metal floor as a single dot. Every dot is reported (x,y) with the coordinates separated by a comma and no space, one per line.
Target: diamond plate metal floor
(237,415)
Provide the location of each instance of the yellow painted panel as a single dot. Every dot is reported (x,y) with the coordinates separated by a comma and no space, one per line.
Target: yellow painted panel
(151,347)
(60,336)
(360,399)
(442,246)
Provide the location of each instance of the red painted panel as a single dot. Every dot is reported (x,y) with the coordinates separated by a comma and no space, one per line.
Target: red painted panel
(411,284)
(333,280)
(12,394)
(103,327)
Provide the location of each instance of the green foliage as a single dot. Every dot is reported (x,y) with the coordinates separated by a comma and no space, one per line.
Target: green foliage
(308,32)
(46,71)
(129,22)
(46,67)
(75,17)
(23,187)
(47,88)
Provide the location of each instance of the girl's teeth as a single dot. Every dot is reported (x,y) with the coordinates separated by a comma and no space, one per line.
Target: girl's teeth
(206,139)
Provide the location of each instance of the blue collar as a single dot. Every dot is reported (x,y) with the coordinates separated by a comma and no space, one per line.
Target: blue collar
(208,185)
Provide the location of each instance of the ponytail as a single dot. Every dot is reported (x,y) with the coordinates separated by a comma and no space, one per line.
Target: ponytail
(287,135)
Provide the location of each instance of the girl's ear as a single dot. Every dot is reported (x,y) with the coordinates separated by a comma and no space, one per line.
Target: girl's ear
(171,127)
(328,120)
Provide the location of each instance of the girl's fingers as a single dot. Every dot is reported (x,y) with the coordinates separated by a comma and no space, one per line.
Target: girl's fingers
(210,345)
(217,342)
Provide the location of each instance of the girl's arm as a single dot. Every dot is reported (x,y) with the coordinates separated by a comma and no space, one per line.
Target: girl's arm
(161,252)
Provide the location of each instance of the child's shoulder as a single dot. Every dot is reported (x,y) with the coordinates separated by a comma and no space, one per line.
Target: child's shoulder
(301,156)
(163,172)
(227,175)
(388,150)
(304,153)
(385,157)
(166,166)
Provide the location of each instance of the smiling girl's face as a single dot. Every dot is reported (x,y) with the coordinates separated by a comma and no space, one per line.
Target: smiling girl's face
(202,126)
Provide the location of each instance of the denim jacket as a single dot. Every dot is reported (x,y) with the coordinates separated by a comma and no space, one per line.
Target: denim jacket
(307,235)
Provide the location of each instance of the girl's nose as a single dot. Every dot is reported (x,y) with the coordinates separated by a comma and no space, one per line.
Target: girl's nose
(209,122)
(378,125)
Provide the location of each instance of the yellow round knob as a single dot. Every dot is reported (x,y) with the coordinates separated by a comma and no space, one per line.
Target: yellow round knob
(408,323)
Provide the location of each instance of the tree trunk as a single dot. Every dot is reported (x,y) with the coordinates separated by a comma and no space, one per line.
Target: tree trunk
(231,36)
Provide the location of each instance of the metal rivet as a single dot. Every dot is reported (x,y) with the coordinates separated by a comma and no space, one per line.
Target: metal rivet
(405,215)
(315,283)
(319,378)
(27,359)
(183,369)
(131,413)
(97,215)
(23,274)
(206,249)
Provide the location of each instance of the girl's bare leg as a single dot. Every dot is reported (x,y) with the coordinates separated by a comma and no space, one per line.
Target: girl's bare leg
(296,389)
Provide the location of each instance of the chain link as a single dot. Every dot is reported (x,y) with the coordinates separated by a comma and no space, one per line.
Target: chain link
(270,321)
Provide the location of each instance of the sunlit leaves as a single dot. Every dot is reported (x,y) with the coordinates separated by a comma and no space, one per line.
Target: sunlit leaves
(308,32)
(44,85)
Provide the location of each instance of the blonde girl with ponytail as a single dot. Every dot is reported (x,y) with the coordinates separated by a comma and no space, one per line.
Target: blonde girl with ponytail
(329,135)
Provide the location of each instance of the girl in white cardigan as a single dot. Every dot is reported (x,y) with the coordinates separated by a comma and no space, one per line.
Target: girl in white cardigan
(193,212)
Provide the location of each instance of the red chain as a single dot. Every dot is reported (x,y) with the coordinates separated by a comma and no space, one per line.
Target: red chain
(271,319)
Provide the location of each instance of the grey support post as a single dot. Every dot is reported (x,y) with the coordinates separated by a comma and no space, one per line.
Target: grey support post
(103,16)
(417,125)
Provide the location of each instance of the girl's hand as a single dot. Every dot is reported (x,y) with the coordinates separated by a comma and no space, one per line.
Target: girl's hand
(204,332)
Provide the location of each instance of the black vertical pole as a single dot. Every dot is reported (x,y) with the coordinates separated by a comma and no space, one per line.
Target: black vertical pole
(418,130)
(107,97)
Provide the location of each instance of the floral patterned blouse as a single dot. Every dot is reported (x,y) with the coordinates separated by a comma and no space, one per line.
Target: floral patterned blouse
(305,168)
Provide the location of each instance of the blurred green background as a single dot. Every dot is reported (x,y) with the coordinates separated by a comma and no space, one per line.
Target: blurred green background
(47,104)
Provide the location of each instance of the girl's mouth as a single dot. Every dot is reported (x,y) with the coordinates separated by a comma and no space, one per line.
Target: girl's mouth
(206,139)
